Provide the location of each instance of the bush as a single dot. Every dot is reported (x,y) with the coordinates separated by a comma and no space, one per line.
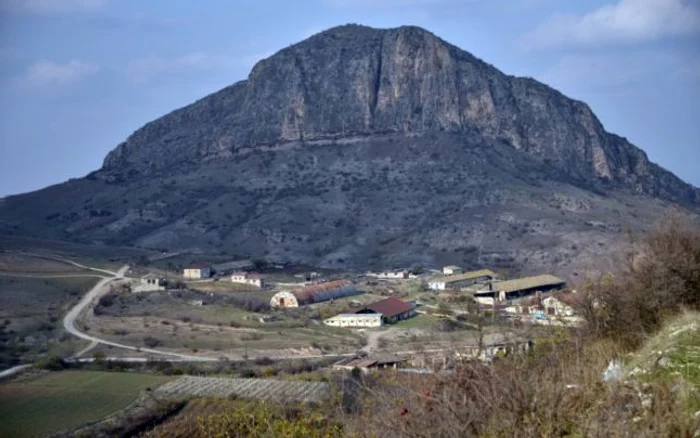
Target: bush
(52,363)
(151,342)
(661,277)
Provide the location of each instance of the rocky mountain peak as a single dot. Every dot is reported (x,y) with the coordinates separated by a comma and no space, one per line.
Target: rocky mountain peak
(354,81)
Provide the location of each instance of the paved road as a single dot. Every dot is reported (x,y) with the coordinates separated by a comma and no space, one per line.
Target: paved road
(95,293)
(14,370)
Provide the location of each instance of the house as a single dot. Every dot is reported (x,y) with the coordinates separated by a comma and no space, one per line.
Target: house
(149,283)
(355,320)
(500,291)
(247,278)
(462,280)
(452,270)
(395,275)
(392,309)
(561,305)
(197,272)
(365,364)
(314,293)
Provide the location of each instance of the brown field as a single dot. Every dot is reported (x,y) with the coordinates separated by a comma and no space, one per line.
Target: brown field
(23,264)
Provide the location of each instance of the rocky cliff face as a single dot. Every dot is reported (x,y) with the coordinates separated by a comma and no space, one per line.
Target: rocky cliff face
(355,81)
(363,147)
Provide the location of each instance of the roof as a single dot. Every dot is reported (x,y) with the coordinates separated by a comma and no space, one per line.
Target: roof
(471,275)
(252,276)
(151,275)
(355,315)
(199,265)
(389,307)
(307,293)
(453,267)
(363,362)
(527,283)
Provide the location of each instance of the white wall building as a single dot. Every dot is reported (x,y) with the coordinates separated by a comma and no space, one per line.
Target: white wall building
(197,272)
(245,278)
(355,320)
(452,270)
(150,283)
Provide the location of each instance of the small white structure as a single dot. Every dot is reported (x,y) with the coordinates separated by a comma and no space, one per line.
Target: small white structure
(150,283)
(246,278)
(394,275)
(355,320)
(197,272)
(452,270)
(559,305)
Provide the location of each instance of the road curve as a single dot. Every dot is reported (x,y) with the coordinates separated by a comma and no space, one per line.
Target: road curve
(12,371)
(99,289)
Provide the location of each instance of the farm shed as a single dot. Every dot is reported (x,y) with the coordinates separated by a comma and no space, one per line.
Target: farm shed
(314,293)
(365,364)
(197,272)
(355,320)
(392,309)
(452,270)
(522,287)
(462,280)
(228,267)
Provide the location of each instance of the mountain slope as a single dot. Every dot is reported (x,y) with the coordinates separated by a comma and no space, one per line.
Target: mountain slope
(361,146)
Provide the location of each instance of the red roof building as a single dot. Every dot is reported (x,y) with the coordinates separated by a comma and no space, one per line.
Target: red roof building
(393,309)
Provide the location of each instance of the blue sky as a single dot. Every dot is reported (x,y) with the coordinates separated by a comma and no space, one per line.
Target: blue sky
(78,76)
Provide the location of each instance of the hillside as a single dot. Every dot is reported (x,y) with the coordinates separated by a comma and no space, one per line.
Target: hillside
(364,147)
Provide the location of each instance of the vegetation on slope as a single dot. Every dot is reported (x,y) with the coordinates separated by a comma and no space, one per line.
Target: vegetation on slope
(555,390)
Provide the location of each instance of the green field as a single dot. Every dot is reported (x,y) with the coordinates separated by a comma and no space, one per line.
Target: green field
(67,399)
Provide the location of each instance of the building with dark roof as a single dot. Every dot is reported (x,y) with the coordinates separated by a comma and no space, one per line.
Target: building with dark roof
(392,309)
(314,293)
(500,291)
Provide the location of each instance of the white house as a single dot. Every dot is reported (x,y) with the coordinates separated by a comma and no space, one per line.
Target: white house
(396,275)
(246,278)
(560,305)
(452,270)
(355,320)
(150,283)
(197,272)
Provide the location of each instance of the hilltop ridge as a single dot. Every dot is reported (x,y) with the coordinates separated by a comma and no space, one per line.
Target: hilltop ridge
(361,147)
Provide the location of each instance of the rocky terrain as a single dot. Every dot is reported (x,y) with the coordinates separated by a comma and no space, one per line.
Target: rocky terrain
(361,147)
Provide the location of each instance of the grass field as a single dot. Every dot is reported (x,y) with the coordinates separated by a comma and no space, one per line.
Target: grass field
(67,399)
(23,264)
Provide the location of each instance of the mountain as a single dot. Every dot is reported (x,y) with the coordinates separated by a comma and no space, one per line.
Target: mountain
(366,147)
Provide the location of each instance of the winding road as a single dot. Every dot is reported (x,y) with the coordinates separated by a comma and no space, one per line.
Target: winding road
(95,293)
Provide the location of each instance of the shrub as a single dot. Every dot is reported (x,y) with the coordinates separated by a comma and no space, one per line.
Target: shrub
(151,342)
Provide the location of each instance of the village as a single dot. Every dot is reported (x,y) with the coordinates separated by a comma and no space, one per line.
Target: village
(409,320)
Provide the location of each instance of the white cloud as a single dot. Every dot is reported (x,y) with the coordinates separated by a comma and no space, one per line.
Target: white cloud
(48,73)
(627,21)
(50,6)
(620,70)
(144,69)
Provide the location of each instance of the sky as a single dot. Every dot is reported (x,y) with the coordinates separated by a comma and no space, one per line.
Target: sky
(77,77)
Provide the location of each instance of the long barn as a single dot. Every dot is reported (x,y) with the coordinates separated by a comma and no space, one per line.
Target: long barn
(315,293)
